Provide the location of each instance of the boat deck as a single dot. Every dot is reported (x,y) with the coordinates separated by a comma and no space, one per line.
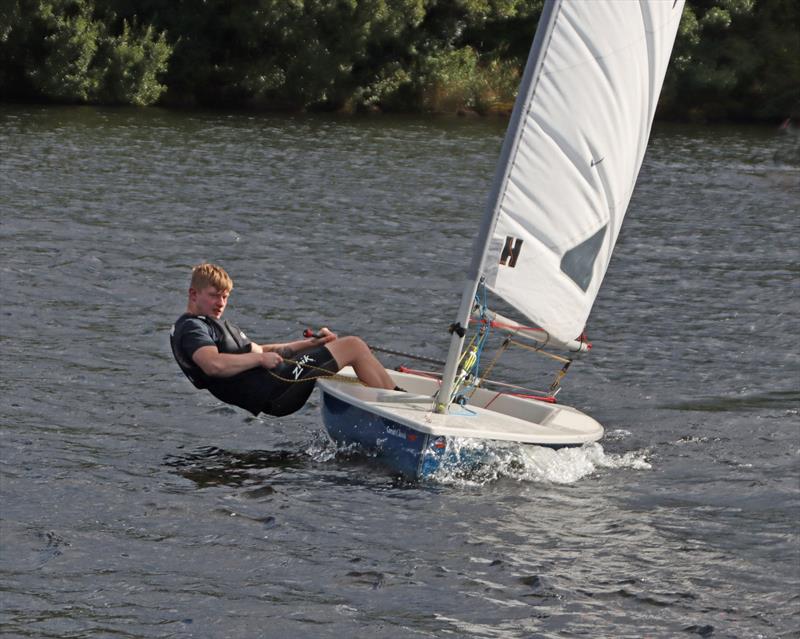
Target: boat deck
(509,418)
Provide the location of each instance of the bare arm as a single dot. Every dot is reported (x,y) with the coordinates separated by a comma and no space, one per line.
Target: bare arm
(216,364)
(290,349)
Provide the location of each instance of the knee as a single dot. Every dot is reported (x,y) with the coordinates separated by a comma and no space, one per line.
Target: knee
(355,345)
(349,350)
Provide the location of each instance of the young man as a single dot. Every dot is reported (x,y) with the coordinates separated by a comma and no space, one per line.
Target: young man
(272,378)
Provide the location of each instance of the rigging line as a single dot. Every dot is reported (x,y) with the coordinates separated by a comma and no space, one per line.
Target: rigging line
(464,368)
(558,358)
(309,333)
(421,358)
(473,376)
(485,329)
(531,391)
(484,382)
(503,348)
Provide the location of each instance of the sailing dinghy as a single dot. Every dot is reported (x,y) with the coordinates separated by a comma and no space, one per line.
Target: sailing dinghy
(569,162)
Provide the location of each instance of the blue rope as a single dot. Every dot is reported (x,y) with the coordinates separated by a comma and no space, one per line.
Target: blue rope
(462,411)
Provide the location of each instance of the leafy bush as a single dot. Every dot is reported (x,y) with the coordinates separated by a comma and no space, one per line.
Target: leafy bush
(733,59)
(68,51)
(132,63)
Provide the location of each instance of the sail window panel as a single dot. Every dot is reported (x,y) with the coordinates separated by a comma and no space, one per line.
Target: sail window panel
(579,262)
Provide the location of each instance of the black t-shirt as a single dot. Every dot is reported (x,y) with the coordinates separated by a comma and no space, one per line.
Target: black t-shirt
(249,389)
(197,333)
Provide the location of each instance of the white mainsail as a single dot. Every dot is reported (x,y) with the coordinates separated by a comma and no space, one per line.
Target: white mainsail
(570,160)
(584,115)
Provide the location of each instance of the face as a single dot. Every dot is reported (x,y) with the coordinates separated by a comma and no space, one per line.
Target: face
(209,301)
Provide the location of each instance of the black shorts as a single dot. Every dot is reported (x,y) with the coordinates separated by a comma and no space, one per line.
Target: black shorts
(291,383)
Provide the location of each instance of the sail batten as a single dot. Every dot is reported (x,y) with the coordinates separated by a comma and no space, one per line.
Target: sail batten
(572,154)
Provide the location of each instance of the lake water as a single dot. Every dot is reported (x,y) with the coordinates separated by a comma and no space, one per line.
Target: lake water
(134,506)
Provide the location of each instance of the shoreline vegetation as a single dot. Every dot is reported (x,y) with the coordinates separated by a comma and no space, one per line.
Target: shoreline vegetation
(734,60)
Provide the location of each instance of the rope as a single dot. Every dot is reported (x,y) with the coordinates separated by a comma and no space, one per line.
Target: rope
(558,358)
(503,348)
(525,391)
(472,354)
(309,333)
(559,376)
(485,329)
(327,375)
(421,358)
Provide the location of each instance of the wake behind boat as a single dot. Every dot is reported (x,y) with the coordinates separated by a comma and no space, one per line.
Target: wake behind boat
(569,163)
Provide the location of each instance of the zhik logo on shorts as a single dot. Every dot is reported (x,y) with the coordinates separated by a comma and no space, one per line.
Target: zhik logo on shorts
(298,369)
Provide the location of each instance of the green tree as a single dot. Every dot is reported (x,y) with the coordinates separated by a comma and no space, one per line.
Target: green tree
(305,53)
(131,64)
(735,59)
(467,54)
(75,51)
(71,40)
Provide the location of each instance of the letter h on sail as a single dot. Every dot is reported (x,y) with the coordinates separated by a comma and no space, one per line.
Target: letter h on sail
(511,251)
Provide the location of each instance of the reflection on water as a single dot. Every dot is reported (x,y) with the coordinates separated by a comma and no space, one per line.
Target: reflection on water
(788,400)
(213,466)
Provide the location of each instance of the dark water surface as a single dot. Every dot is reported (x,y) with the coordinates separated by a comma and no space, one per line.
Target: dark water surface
(134,506)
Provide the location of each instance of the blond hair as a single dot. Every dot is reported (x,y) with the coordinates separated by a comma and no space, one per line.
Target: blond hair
(205,275)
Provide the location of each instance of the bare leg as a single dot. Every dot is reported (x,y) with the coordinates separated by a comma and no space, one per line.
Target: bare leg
(353,351)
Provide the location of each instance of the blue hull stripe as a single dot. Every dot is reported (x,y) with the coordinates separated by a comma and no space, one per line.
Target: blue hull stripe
(404,449)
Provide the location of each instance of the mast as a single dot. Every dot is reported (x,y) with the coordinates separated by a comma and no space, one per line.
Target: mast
(481,244)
